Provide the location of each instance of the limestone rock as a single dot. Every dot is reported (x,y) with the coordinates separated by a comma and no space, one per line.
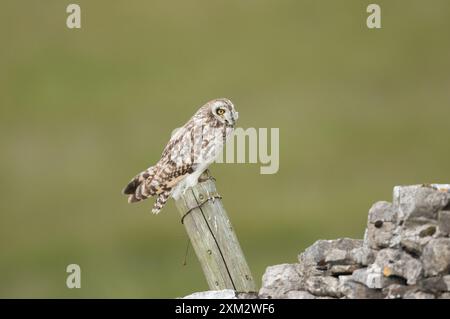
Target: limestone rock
(373,277)
(418,202)
(365,255)
(445,295)
(355,290)
(340,251)
(436,257)
(344,279)
(446,280)
(323,286)
(213,294)
(278,280)
(434,284)
(397,291)
(338,270)
(415,237)
(444,222)
(299,294)
(418,295)
(380,234)
(394,262)
(381,226)
(382,212)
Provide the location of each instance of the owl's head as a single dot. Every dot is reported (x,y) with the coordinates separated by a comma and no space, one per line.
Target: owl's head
(223,110)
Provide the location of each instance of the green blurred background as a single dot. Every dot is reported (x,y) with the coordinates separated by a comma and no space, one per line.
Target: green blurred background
(82,111)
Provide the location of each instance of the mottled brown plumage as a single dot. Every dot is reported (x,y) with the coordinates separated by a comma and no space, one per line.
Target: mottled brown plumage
(187,154)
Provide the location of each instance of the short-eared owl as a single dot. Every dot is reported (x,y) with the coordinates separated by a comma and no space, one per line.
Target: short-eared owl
(187,155)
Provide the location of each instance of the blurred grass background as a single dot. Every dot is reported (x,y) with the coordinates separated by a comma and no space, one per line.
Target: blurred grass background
(82,111)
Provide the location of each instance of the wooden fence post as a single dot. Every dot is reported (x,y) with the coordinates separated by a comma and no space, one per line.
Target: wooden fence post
(213,238)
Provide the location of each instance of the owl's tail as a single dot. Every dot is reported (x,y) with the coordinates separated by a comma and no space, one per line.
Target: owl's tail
(160,201)
(136,187)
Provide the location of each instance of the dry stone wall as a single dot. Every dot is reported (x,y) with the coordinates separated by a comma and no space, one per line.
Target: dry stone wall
(405,253)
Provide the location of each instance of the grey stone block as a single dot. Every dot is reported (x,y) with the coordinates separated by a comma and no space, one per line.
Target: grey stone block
(364,255)
(433,284)
(299,294)
(397,291)
(340,251)
(338,270)
(344,278)
(418,295)
(447,281)
(415,237)
(394,262)
(323,286)
(382,212)
(279,279)
(373,277)
(247,295)
(418,202)
(213,294)
(445,295)
(380,235)
(355,290)
(436,257)
(444,222)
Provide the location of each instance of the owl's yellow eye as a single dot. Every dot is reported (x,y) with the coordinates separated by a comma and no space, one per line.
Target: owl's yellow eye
(220,111)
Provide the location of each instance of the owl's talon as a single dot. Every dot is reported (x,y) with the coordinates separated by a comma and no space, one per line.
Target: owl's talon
(204,176)
(210,177)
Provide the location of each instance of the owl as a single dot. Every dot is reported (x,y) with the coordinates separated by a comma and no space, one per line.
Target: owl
(186,156)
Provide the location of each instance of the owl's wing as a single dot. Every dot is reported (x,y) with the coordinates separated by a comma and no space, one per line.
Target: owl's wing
(177,161)
(162,180)
(181,138)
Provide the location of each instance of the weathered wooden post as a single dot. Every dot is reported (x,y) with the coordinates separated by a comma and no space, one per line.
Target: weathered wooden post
(213,238)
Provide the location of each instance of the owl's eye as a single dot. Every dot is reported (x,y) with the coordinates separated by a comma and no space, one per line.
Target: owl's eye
(220,111)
